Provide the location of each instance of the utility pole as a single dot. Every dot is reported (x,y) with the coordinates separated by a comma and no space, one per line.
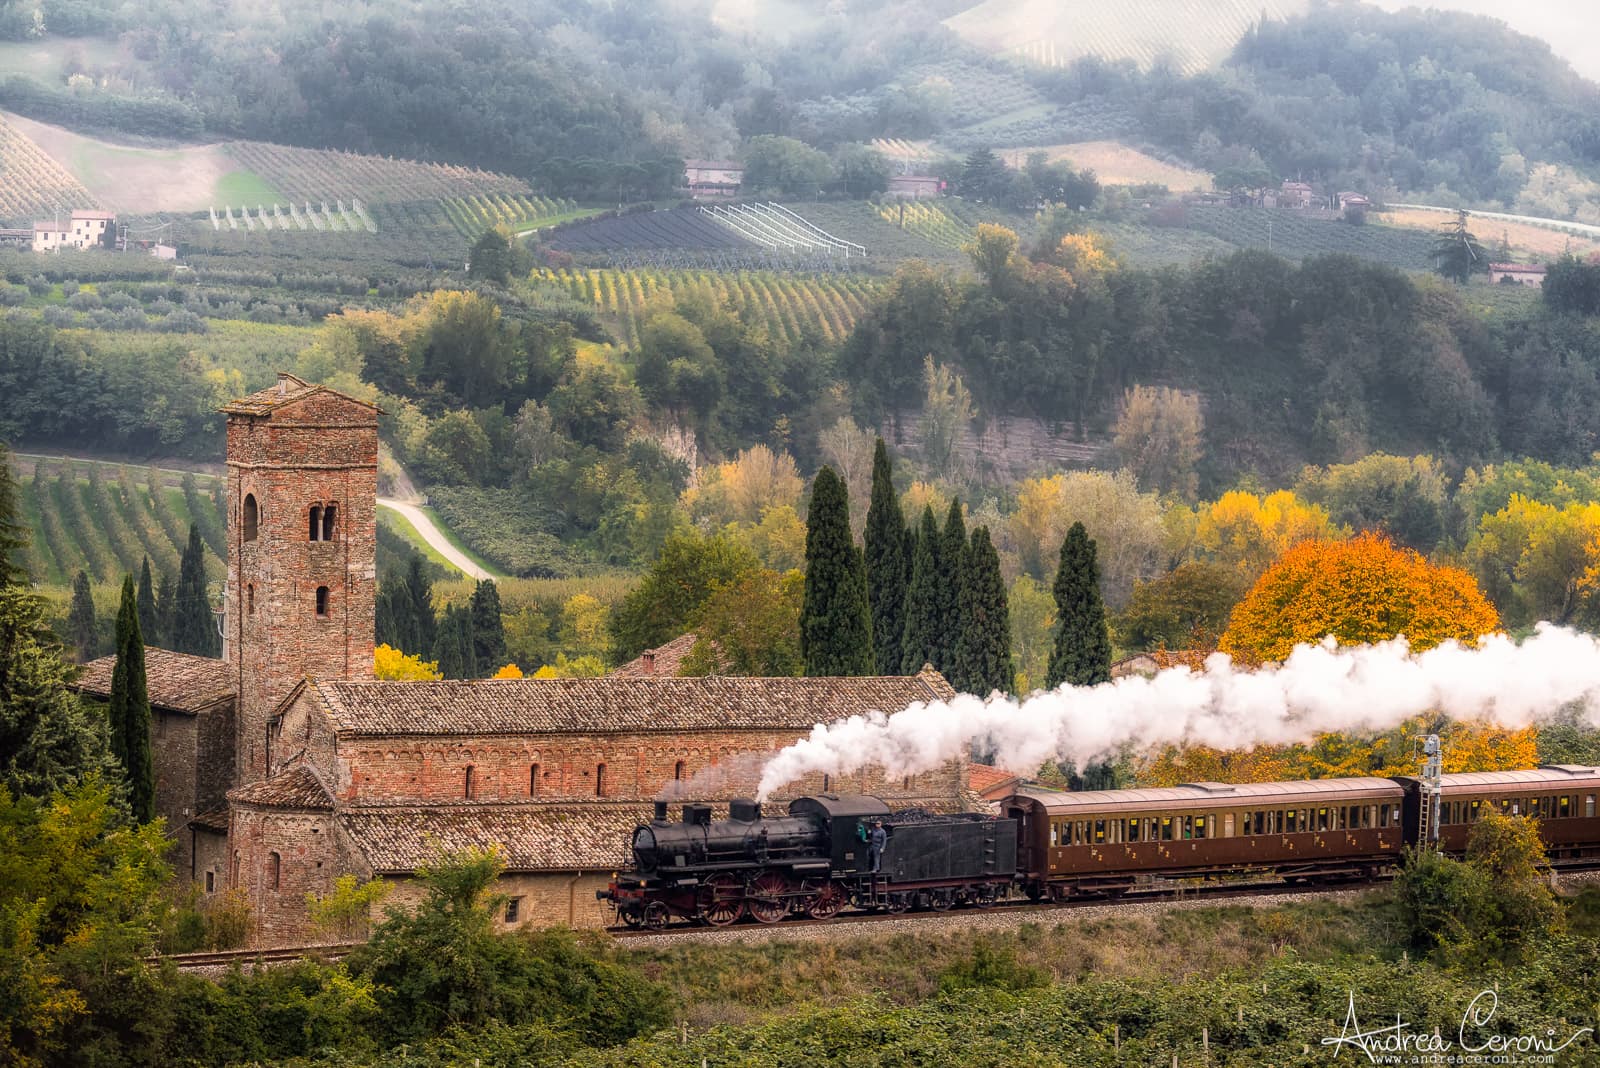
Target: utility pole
(1432,792)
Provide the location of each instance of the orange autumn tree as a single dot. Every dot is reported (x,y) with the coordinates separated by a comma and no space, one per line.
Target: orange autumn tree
(1359,590)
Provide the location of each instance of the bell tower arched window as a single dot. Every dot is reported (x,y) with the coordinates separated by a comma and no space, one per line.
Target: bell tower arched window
(316,522)
(322,602)
(328,513)
(252,517)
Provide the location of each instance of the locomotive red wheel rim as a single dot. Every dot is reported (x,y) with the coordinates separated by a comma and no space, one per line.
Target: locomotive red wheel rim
(826,903)
(767,901)
(721,900)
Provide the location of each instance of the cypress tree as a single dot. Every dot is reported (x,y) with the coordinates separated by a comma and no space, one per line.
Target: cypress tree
(835,621)
(452,646)
(82,631)
(920,644)
(1082,652)
(952,557)
(167,611)
(195,627)
(422,627)
(886,565)
(391,612)
(983,646)
(488,629)
(130,708)
(13,531)
(149,621)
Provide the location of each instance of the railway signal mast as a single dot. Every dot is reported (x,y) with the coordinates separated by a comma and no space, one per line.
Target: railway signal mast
(1431,792)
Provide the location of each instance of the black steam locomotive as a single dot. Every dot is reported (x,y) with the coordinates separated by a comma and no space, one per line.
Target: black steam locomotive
(814,861)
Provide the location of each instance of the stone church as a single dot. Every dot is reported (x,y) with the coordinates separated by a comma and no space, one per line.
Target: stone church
(285,764)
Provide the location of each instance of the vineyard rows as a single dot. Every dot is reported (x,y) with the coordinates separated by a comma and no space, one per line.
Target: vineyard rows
(472,215)
(103,519)
(932,222)
(914,156)
(1089,119)
(789,304)
(32,185)
(672,229)
(1294,236)
(304,173)
(977,92)
(354,219)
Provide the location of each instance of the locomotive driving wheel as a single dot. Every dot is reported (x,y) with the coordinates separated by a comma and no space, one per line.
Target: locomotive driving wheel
(655,915)
(941,900)
(769,902)
(825,902)
(721,899)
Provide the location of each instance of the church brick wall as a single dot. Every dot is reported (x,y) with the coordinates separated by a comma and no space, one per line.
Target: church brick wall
(310,855)
(175,754)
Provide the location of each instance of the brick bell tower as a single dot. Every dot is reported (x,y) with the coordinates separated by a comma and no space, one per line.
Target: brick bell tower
(302,550)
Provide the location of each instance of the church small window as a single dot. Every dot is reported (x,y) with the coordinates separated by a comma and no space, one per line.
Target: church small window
(533,780)
(211,882)
(677,770)
(250,599)
(470,787)
(274,869)
(599,780)
(322,602)
(316,522)
(252,517)
(513,909)
(328,512)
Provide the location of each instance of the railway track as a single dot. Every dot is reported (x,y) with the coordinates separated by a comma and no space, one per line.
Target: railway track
(226,958)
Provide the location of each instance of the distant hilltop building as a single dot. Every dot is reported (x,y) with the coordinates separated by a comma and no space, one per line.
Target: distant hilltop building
(713,178)
(1517,274)
(85,228)
(915,186)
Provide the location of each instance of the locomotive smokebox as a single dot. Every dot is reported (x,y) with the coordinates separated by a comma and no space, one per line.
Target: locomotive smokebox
(661,812)
(744,810)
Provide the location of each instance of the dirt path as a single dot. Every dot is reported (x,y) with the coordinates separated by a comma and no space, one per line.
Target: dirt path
(430,534)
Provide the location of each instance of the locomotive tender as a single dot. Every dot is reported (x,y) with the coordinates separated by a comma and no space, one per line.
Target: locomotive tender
(1050,844)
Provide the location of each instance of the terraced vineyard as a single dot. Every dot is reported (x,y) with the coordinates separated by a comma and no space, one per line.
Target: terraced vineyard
(827,304)
(472,215)
(32,185)
(677,228)
(319,216)
(105,519)
(303,174)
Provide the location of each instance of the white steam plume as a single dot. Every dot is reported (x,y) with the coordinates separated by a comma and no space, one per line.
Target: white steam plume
(1319,688)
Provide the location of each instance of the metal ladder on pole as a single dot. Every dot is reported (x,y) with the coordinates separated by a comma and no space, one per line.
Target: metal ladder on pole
(1432,791)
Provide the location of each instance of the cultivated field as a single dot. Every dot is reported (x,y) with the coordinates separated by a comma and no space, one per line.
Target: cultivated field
(790,305)
(1295,235)
(316,174)
(1115,163)
(1194,35)
(1528,241)
(32,185)
(133,179)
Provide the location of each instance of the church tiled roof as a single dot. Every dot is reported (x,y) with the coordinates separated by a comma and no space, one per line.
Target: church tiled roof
(287,390)
(610,705)
(299,787)
(178,682)
(663,660)
(531,837)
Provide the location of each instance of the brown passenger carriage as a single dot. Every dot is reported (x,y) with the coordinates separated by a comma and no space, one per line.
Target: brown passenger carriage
(1562,797)
(1103,841)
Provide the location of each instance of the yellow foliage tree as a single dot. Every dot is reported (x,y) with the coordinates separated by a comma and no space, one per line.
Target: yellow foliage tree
(1083,255)
(393,665)
(742,489)
(1248,532)
(581,667)
(1360,590)
(510,671)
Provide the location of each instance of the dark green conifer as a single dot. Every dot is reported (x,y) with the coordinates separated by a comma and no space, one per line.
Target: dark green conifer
(82,630)
(835,621)
(13,530)
(886,564)
(129,710)
(453,646)
(952,557)
(488,629)
(983,645)
(167,611)
(924,598)
(195,626)
(1082,652)
(149,621)
(422,631)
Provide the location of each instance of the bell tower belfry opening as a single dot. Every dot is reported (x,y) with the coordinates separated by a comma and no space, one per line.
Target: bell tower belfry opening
(302,551)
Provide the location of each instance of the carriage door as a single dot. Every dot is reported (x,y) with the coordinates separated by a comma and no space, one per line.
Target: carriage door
(1026,852)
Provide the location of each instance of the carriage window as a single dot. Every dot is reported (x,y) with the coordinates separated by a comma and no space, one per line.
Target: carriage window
(1534,808)
(1259,823)
(1475,809)
(1166,828)
(1055,833)
(1201,824)
(1133,830)
(1288,822)
(1322,819)
(1099,831)
(1563,807)
(1588,806)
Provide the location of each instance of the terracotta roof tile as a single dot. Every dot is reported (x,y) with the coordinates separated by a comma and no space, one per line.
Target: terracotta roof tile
(178,682)
(531,837)
(299,787)
(663,660)
(607,705)
(984,780)
(287,390)
(215,819)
